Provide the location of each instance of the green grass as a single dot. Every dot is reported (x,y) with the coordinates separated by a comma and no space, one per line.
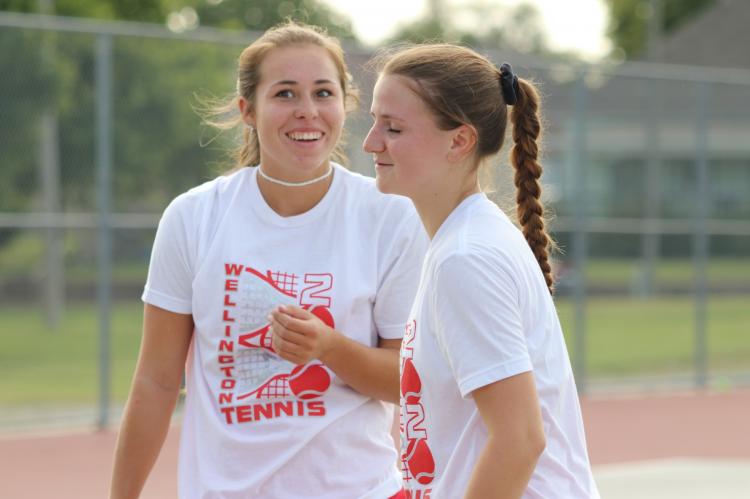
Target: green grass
(38,365)
(676,272)
(625,337)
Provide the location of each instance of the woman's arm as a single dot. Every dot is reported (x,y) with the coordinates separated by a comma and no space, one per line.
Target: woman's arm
(510,410)
(153,395)
(299,337)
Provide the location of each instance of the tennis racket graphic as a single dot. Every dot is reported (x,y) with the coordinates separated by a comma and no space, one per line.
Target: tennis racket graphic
(262,374)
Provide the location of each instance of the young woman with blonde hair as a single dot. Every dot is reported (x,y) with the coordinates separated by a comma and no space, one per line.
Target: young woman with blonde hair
(281,290)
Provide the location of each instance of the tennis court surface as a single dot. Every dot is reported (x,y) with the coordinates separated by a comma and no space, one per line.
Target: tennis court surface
(662,446)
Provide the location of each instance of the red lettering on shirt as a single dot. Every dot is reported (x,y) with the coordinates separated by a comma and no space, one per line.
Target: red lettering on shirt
(417,462)
(313,295)
(233,269)
(269,410)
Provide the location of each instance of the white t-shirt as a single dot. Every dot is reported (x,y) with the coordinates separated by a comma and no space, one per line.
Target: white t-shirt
(254,424)
(482,314)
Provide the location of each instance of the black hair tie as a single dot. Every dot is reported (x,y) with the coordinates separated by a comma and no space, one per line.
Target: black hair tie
(508,84)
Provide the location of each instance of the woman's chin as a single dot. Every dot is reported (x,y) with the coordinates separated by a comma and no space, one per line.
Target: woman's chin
(383,185)
(388,187)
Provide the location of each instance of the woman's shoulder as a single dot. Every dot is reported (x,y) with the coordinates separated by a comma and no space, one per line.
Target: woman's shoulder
(491,230)
(356,183)
(206,193)
(363,193)
(485,242)
(472,267)
(223,183)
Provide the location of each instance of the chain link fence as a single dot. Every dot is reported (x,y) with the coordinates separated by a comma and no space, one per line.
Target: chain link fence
(647,175)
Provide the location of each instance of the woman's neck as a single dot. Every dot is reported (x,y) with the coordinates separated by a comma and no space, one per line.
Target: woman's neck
(435,207)
(290,201)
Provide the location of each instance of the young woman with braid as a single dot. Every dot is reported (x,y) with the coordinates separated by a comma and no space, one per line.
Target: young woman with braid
(488,400)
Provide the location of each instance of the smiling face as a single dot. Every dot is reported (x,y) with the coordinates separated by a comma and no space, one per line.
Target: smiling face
(410,152)
(298,111)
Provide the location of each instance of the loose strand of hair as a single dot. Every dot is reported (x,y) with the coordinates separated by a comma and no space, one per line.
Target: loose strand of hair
(221,115)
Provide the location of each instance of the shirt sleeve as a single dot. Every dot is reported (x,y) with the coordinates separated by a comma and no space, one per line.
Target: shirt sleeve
(400,278)
(170,273)
(478,321)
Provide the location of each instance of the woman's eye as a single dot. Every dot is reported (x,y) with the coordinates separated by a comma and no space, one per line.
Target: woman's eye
(393,130)
(324,93)
(285,94)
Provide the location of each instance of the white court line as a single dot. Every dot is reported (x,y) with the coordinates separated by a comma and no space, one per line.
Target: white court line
(675,479)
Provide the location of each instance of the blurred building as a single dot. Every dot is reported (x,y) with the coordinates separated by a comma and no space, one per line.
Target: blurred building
(718,38)
(648,126)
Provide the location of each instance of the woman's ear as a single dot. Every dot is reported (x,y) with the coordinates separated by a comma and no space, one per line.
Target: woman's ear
(246,112)
(463,141)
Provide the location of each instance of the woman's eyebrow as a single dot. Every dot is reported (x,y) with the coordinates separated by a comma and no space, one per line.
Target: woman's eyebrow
(294,82)
(387,116)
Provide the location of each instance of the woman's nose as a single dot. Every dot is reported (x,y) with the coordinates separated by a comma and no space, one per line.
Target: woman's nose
(373,142)
(305,109)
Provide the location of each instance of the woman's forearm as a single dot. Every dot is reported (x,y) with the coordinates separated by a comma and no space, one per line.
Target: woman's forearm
(142,433)
(372,371)
(504,469)
(510,411)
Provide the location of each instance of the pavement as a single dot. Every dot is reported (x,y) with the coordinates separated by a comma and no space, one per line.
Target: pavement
(675,479)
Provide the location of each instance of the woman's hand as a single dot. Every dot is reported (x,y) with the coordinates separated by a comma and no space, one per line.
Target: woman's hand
(299,336)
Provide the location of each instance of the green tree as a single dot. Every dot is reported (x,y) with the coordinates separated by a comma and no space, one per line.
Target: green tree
(157,136)
(257,15)
(29,85)
(127,10)
(156,132)
(520,28)
(260,15)
(480,23)
(426,29)
(629,20)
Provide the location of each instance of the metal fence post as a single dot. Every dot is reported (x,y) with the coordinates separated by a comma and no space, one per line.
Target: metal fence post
(578,160)
(104,240)
(54,282)
(650,239)
(700,234)
(54,250)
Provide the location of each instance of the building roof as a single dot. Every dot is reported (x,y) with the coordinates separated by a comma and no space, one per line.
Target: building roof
(718,37)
